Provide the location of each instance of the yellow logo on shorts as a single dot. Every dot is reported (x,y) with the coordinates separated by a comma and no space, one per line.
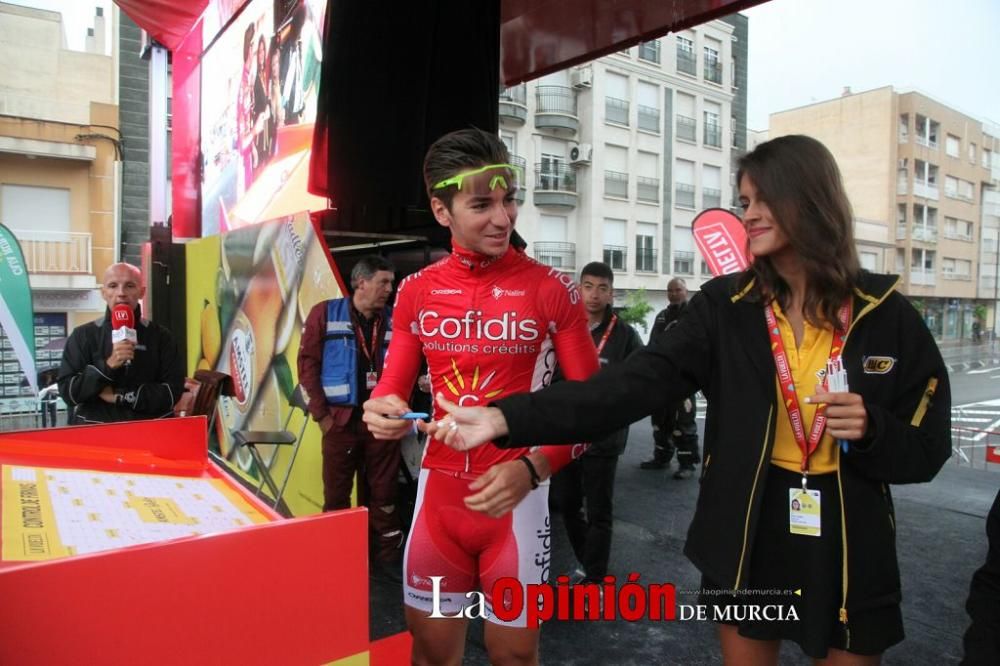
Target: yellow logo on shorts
(878,365)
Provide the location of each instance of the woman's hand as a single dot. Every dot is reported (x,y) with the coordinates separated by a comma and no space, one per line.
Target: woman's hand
(465,428)
(846,416)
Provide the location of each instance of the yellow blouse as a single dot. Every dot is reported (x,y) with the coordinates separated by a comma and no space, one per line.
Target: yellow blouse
(807,363)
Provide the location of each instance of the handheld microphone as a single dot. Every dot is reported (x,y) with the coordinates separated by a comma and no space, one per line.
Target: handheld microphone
(123,325)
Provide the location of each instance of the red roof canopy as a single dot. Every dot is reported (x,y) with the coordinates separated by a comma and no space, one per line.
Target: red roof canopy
(537,36)
(542,36)
(166,21)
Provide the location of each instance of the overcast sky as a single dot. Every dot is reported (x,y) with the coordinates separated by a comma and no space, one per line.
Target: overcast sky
(78,15)
(804,51)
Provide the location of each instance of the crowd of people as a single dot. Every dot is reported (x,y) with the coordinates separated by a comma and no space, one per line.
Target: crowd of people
(794,487)
(537,379)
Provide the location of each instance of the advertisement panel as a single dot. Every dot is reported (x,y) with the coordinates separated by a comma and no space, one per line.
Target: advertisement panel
(260,82)
(16,309)
(249,293)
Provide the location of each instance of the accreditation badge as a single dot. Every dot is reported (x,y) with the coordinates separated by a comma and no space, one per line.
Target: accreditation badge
(803,512)
(371,379)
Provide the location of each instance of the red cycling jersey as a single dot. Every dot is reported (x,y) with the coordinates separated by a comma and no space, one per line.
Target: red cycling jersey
(489,327)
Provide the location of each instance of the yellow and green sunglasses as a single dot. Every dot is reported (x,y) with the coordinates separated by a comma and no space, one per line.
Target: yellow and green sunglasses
(497,180)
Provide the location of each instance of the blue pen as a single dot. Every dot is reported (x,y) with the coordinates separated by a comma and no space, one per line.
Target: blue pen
(409,416)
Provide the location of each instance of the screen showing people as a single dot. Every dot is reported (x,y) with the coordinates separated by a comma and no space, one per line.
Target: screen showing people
(257,114)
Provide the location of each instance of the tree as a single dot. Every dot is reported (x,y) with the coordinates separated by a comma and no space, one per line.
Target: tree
(636,308)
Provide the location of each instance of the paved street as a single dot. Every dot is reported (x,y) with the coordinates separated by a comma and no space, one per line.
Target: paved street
(940,540)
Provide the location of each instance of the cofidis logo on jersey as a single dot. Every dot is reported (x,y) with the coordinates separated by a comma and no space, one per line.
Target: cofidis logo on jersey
(474,333)
(473,326)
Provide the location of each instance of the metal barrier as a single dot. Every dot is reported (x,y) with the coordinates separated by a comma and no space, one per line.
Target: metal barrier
(26,414)
(975,448)
(20,420)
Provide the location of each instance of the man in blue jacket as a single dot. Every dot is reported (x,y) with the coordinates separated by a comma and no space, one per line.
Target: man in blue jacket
(340,360)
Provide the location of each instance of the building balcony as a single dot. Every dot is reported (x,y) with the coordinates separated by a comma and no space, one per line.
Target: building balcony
(561,255)
(927,142)
(647,189)
(616,110)
(687,129)
(713,71)
(555,109)
(924,233)
(645,260)
(960,277)
(687,63)
(922,277)
(616,256)
(616,184)
(684,262)
(649,118)
(57,252)
(555,185)
(522,164)
(921,188)
(713,136)
(650,51)
(711,197)
(684,195)
(514,104)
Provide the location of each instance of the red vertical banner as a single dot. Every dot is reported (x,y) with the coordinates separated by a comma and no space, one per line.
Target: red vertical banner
(185,165)
(722,241)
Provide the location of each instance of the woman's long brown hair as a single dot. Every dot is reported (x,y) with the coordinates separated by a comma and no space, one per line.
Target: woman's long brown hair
(797,177)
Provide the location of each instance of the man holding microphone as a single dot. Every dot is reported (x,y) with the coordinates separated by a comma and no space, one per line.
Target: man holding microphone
(120,367)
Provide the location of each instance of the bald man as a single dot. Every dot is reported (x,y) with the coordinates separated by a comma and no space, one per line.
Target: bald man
(104,382)
(674,428)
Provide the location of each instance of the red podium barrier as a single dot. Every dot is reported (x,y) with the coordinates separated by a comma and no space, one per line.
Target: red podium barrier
(283,592)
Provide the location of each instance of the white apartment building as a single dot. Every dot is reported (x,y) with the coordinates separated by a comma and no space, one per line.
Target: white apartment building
(621,153)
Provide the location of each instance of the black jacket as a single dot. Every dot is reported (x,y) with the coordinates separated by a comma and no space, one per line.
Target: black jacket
(621,343)
(147,389)
(721,346)
(664,318)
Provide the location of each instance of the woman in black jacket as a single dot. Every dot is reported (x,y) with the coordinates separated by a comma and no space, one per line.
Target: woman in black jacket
(788,502)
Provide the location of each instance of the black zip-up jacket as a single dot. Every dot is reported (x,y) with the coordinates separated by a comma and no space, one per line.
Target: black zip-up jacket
(147,389)
(720,345)
(624,340)
(664,318)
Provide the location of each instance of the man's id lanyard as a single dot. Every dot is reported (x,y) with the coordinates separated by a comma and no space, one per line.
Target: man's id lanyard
(788,384)
(371,377)
(607,334)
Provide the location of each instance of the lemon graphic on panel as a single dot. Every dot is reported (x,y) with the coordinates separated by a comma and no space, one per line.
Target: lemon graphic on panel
(211,333)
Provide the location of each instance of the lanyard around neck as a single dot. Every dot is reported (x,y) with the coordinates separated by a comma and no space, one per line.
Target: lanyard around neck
(787,383)
(607,334)
(359,333)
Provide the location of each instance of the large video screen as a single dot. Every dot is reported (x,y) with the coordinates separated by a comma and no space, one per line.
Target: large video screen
(260,83)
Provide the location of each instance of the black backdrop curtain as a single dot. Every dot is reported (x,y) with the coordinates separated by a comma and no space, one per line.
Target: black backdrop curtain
(395,77)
